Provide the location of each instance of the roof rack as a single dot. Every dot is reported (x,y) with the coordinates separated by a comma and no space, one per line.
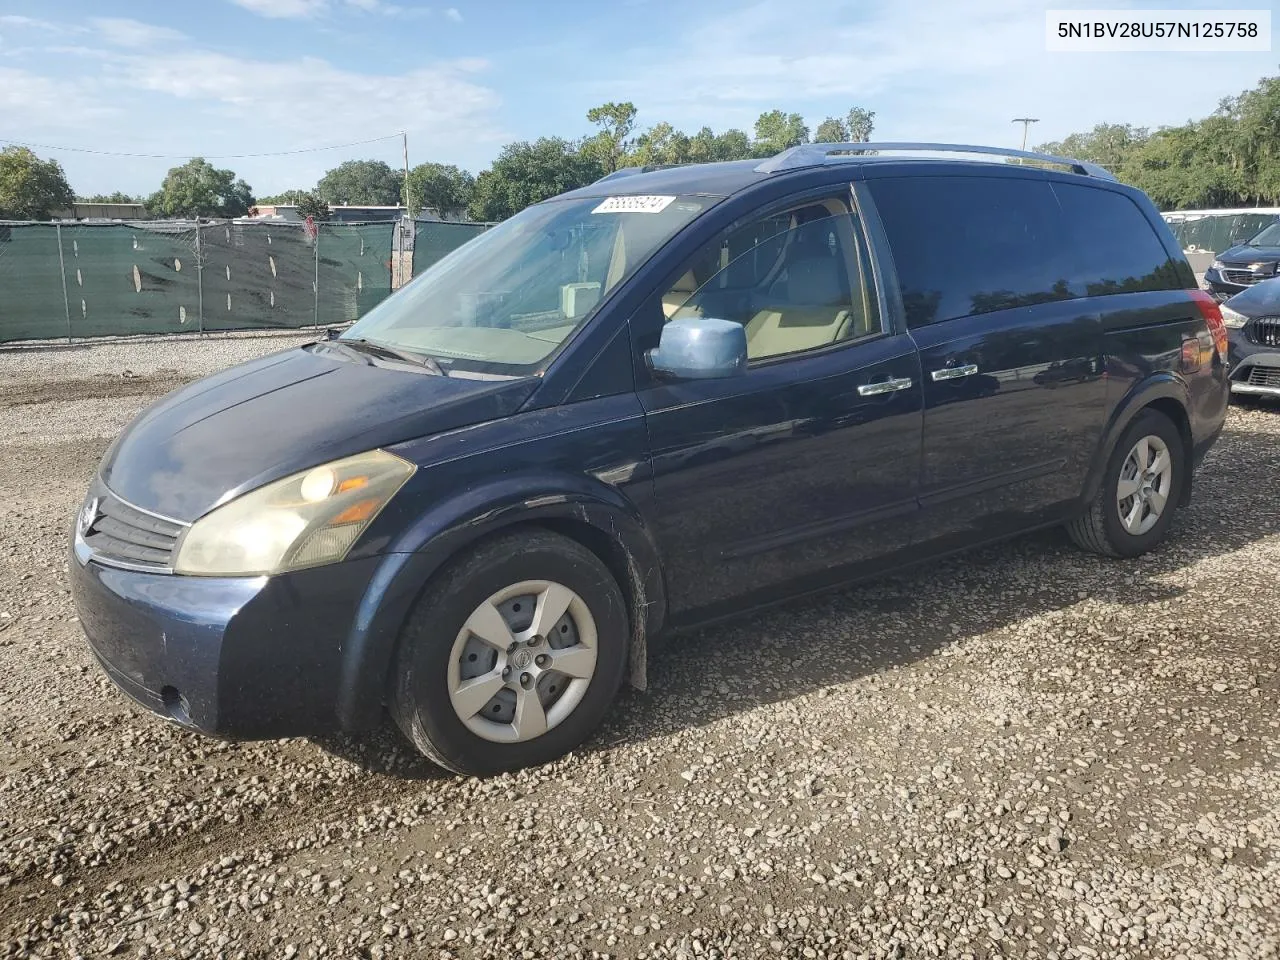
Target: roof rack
(816,154)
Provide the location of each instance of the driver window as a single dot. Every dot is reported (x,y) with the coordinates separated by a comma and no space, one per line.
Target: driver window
(796,280)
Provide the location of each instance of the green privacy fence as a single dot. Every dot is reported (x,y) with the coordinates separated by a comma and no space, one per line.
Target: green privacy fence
(1213,231)
(74,280)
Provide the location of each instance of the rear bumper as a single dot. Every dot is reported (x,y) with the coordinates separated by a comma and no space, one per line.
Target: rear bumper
(234,657)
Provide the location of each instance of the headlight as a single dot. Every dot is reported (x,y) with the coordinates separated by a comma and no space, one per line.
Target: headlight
(1216,265)
(304,520)
(1232,318)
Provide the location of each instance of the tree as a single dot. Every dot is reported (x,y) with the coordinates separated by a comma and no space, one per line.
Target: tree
(440,187)
(289,198)
(616,121)
(831,130)
(859,123)
(31,188)
(117,197)
(310,205)
(733,144)
(776,131)
(853,127)
(526,173)
(198,189)
(1108,144)
(362,183)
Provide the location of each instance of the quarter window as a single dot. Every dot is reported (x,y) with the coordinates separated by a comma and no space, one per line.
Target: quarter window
(797,280)
(1113,247)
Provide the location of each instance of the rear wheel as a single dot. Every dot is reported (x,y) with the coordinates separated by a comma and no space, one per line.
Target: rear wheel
(1140,489)
(512,656)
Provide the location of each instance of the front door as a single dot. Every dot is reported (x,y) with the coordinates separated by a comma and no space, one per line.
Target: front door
(803,469)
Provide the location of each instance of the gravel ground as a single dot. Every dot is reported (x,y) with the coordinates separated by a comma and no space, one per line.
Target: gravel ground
(1026,752)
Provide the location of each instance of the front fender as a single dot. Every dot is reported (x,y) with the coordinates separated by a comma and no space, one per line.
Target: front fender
(451,526)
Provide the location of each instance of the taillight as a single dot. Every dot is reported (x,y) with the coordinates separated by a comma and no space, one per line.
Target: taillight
(1212,314)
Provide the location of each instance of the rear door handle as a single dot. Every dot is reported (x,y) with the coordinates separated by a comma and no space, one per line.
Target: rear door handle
(884,386)
(955,373)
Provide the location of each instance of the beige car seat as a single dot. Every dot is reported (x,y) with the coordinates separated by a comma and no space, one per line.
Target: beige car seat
(680,291)
(818,312)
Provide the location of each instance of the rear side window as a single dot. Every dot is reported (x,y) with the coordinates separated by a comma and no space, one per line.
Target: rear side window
(969,245)
(1113,247)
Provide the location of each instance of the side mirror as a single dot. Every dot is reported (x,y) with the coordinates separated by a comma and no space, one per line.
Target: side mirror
(700,348)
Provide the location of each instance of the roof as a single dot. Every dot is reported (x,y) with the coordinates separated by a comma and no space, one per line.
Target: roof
(727,178)
(709,179)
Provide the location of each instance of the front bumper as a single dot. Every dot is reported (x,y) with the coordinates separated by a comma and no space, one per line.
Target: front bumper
(1255,369)
(1223,289)
(234,657)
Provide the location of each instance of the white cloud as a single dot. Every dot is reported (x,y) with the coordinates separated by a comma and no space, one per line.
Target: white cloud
(310,9)
(216,104)
(284,9)
(122,32)
(14,20)
(454,14)
(934,70)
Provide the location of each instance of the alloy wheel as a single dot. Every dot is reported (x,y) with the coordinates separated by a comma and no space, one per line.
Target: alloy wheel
(1146,480)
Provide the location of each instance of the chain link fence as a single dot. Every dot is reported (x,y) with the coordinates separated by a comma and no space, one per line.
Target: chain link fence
(77,280)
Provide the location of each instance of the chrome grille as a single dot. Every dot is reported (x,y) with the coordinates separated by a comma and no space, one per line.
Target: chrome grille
(1265,331)
(1243,277)
(1264,377)
(124,534)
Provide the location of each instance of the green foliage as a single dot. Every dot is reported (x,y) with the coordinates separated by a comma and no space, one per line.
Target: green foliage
(616,121)
(116,197)
(831,130)
(1228,159)
(860,122)
(440,187)
(776,131)
(853,127)
(310,205)
(526,173)
(198,189)
(31,188)
(362,183)
(289,198)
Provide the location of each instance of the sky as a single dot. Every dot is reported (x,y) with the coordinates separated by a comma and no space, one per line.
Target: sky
(228,78)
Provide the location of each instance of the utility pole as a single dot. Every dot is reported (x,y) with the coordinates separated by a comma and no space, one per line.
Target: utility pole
(1026,124)
(408,209)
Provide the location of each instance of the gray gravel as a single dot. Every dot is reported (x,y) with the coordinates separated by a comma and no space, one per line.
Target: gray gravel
(1026,752)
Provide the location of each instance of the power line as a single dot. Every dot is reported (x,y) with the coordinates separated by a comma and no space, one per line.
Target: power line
(207,156)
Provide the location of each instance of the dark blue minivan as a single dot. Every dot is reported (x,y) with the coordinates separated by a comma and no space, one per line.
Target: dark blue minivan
(667,397)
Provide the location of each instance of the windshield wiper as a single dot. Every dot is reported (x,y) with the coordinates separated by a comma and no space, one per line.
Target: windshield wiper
(391,353)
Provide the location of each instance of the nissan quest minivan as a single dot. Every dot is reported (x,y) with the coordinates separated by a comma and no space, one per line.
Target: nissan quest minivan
(667,397)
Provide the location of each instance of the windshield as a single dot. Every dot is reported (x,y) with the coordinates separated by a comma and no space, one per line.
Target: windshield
(502,303)
(1270,237)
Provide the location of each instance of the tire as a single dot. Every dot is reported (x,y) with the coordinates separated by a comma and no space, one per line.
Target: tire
(1108,526)
(455,635)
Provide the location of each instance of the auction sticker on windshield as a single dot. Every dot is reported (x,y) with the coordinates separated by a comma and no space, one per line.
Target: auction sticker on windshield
(648,204)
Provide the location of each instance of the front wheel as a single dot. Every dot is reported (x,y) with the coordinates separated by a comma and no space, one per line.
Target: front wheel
(1135,502)
(512,656)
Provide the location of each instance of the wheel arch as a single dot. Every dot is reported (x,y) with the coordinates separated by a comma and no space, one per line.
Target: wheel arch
(602,520)
(1163,392)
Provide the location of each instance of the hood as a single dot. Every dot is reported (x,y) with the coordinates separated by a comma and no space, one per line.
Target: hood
(1260,300)
(1244,254)
(259,421)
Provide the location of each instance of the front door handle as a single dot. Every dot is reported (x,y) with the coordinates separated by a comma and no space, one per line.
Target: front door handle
(955,373)
(884,386)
